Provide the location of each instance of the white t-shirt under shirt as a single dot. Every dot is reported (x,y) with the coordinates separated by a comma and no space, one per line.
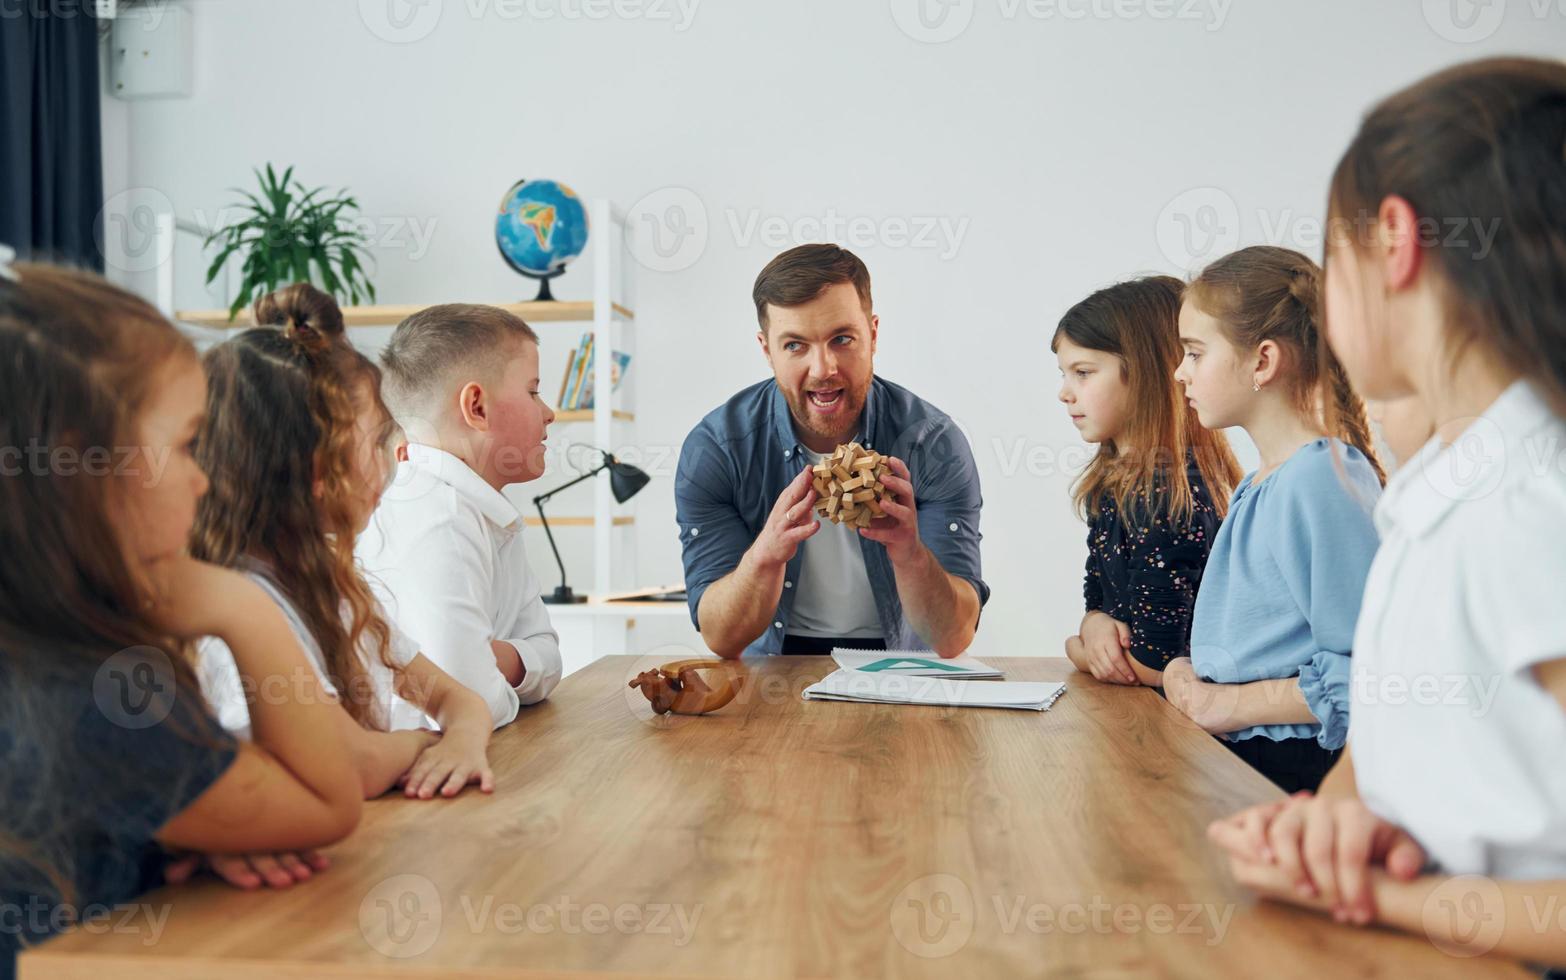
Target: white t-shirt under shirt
(1452,736)
(835,598)
(223,689)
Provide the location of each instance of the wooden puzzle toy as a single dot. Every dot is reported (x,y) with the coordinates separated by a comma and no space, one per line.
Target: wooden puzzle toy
(848,485)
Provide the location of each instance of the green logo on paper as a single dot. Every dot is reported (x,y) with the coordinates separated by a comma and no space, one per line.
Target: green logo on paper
(903,663)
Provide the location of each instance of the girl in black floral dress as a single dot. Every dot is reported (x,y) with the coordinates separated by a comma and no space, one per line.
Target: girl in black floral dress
(1156,490)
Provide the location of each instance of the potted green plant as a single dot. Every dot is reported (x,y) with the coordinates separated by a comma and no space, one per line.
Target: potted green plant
(290,234)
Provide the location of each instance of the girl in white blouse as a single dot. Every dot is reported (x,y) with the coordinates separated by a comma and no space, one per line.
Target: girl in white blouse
(1446,280)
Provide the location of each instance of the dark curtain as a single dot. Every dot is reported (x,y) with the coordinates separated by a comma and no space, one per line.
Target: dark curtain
(51,166)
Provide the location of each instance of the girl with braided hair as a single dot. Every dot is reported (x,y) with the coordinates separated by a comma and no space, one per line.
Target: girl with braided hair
(1273,625)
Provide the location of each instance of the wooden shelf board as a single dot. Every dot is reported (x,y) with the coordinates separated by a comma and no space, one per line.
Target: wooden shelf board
(588,414)
(555,522)
(557,311)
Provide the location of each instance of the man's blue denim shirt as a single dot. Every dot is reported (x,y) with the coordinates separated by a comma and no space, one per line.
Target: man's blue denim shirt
(740,457)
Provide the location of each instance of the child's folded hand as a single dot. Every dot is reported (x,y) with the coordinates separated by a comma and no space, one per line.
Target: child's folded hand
(1326,848)
(1180,684)
(1104,644)
(1270,881)
(1210,704)
(1244,834)
(448,764)
(247,871)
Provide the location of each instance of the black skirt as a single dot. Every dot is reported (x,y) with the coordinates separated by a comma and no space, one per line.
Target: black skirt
(1291,763)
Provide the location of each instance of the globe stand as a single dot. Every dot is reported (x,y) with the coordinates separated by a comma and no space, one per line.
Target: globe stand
(544,295)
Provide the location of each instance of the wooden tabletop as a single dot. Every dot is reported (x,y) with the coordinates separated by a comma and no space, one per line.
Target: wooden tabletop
(780,837)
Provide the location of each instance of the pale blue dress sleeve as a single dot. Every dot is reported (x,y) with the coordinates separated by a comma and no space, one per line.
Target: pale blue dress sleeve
(1323,544)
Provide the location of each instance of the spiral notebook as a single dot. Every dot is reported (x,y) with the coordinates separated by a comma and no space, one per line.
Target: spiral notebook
(914,663)
(885,687)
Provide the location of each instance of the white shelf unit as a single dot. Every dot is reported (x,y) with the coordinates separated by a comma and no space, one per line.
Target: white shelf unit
(614,291)
(611,422)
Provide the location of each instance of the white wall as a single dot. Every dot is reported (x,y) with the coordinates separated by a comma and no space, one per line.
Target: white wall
(1060,153)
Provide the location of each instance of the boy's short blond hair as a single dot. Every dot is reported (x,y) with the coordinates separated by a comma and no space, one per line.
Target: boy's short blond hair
(432,348)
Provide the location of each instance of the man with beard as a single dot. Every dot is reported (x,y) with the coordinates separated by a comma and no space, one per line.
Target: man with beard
(763,575)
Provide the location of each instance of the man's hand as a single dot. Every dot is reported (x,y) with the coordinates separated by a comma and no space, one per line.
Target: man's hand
(791,522)
(738,607)
(898,529)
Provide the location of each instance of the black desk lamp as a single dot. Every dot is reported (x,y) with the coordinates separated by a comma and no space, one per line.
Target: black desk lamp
(625,481)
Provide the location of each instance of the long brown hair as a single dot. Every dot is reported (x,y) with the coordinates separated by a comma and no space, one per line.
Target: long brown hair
(1265,292)
(281,409)
(1138,321)
(79,361)
(1481,144)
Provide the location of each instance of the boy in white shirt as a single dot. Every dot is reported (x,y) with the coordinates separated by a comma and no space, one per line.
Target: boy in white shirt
(445,546)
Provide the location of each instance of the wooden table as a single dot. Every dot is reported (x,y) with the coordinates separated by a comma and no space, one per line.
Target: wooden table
(780,837)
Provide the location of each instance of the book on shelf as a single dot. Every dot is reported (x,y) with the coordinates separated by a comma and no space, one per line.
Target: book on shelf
(570,371)
(576,387)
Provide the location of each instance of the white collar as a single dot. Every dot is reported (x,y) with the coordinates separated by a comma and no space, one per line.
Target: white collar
(1439,477)
(458,475)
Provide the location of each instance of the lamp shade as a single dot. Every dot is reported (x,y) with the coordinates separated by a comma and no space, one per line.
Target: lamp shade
(625,480)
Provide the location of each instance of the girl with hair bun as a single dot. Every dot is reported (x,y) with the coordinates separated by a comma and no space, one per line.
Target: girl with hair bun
(296,443)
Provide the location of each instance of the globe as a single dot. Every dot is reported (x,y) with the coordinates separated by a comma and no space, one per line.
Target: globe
(541,227)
